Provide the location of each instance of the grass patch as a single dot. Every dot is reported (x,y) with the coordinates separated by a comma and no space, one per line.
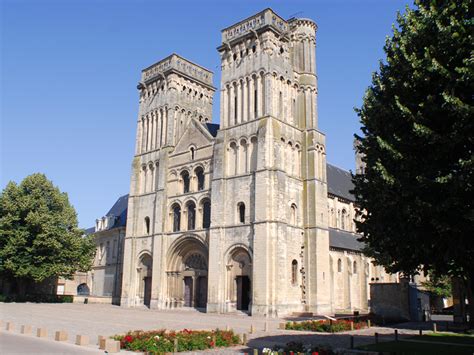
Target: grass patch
(447,338)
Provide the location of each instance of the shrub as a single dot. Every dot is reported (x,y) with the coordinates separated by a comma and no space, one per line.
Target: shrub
(161,341)
(326,326)
(296,347)
(37,298)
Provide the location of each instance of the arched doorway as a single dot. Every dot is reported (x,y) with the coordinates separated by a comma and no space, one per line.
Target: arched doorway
(239,279)
(144,271)
(83,290)
(187,274)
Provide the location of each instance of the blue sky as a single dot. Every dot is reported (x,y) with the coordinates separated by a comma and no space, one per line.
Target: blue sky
(69,71)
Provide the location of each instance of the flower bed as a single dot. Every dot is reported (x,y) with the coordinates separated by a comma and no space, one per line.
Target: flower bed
(163,341)
(325,325)
(298,348)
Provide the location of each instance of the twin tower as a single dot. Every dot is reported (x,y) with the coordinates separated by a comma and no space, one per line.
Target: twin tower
(233,217)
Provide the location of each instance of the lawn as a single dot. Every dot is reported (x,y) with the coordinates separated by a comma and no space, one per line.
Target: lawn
(429,344)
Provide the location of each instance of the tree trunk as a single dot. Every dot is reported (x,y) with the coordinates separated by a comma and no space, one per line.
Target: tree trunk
(470,297)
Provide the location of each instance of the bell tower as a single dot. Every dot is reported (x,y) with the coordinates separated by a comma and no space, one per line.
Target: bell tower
(269,187)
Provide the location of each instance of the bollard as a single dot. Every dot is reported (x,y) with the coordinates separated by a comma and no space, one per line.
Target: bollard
(255,351)
(421,331)
(26,329)
(251,329)
(175,345)
(227,327)
(368,323)
(352,342)
(282,326)
(447,325)
(352,325)
(102,340)
(82,340)
(112,346)
(435,328)
(214,340)
(376,338)
(330,325)
(60,335)
(396,334)
(244,339)
(265,326)
(42,332)
(10,327)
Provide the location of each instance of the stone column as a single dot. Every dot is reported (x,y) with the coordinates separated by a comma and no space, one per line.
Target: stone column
(143,136)
(239,101)
(259,96)
(232,109)
(224,107)
(267,94)
(138,143)
(251,99)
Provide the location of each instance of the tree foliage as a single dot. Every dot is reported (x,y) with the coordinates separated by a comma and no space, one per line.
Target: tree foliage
(416,193)
(39,235)
(438,285)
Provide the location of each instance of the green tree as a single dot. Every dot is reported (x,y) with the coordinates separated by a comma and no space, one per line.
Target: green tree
(39,235)
(416,193)
(438,285)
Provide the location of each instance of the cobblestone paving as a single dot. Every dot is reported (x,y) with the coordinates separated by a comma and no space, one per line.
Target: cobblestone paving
(94,320)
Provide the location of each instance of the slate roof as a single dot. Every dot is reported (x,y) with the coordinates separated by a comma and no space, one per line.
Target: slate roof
(119,209)
(344,240)
(212,128)
(339,182)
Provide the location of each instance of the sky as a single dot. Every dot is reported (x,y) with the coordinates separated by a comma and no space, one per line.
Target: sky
(69,71)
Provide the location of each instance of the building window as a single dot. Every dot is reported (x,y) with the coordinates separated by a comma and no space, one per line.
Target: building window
(354,267)
(343,219)
(293,214)
(176,217)
(147,225)
(339,265)
(200,178)
(185,178)
(206,214)
(191,216)
(192,150)
(241,209)
(294,272)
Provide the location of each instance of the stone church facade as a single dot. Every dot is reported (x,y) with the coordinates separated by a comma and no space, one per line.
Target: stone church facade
(245,216)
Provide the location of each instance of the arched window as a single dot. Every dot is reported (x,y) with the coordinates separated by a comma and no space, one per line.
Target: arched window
(339,265)
(294,272)
(241,208)
(185,178)
(191,216)
(354,267)
(147,225)
(176,217)
(200,178)
(343,219)
(192,150)
(293,214)
(206,214)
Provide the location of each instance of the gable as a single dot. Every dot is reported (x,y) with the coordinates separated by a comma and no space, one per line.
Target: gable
(195,134)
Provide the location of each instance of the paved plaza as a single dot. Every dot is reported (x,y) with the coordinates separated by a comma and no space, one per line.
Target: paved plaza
(107,320)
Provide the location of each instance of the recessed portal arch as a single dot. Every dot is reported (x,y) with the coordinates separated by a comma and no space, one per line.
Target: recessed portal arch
(144,276)
(239,278)
(187,269)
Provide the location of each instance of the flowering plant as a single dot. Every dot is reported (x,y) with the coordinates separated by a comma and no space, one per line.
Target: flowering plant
(161,341)
(339,325)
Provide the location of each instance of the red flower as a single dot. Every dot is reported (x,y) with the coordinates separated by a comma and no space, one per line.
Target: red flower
(212,344)
(128,338)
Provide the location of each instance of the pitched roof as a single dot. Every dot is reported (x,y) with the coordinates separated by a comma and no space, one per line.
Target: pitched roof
(339,182)
(119,209)
(344,240)
(212,128)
